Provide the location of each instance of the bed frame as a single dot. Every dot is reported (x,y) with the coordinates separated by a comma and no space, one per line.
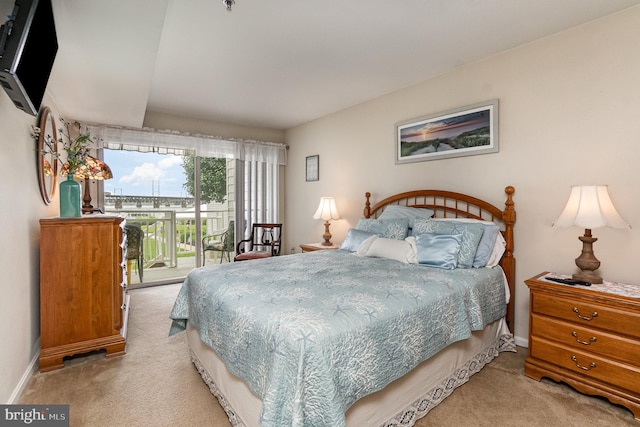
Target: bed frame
(410,397)
(448,204)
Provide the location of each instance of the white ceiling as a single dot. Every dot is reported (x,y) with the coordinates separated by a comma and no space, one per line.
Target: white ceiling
(278,63)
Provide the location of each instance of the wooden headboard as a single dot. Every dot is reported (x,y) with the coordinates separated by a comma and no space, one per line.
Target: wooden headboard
(448,204)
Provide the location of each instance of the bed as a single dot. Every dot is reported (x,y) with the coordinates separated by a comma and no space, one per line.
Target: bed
(360,336)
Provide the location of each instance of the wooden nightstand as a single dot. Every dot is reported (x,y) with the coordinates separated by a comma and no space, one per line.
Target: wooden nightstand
(310,247)
(587,337)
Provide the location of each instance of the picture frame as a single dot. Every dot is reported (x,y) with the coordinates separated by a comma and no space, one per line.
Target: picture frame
(313,168)
(464,131)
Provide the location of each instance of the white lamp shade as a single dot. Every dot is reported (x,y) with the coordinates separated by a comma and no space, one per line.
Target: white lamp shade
(327,209)
(590,206)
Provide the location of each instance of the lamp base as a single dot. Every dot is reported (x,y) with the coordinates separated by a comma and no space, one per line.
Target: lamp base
(92,210)
(588,276)
(327,235)
(587,261)
(87,207)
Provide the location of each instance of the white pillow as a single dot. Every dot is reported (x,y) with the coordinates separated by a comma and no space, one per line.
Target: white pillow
(364,246)
(412,256)
(399,250)
(498,251)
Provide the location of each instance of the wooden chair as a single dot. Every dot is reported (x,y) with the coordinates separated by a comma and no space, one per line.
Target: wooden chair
(223,242)
(264,242)
(135,251)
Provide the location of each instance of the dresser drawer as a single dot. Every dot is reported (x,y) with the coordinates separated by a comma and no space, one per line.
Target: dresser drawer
(586,339)
(588,364)
(588,314)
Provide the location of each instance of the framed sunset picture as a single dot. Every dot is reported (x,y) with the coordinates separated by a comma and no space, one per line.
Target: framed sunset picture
(464,131)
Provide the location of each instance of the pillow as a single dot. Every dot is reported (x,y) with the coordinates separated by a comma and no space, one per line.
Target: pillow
(399,211)
(354,239)
(438,250)
(389,228)
(364,247)
(471,235)
(488,242)
(498,251)
(486,245)
(399,250)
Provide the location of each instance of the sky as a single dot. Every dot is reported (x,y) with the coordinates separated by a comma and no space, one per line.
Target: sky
(145,174)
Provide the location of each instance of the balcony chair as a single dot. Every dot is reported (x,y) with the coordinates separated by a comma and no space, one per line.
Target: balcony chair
(135,244)
(222,242)
(264,242)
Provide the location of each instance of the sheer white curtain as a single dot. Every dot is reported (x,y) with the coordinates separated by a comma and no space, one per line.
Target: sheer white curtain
(260,198)
(169,142)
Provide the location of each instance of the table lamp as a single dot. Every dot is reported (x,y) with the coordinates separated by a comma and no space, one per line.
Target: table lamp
(93,169)
(589,207)
(327,210)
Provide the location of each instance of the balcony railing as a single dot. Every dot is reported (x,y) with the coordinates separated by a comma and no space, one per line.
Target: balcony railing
(169,234)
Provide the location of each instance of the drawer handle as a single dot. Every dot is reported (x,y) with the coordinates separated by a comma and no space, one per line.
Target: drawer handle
(584,368)
(593,315)
(591,340)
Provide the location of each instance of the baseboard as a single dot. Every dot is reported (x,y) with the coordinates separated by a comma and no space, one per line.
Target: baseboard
(521,342)
(30,371)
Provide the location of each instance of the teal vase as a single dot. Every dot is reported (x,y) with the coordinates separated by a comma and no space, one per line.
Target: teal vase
(70,198)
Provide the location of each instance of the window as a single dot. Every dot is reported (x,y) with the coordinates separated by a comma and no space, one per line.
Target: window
(153,167)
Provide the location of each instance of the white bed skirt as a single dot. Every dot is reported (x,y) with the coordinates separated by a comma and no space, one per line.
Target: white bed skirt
(400,403)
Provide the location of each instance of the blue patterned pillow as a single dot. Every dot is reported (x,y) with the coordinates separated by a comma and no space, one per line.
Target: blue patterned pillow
(354,239)
(471,235)
(399,211)
(387,228)
(438,250)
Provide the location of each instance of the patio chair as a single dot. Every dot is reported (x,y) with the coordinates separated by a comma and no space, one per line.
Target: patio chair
(135,243)
(222,242)
(264,242)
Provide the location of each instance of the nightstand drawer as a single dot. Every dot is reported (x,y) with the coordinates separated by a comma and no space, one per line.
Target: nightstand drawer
(590,365)
(586,339)
(588,314)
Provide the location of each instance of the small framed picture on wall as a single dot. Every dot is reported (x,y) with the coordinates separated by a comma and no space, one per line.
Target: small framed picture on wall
(313,167)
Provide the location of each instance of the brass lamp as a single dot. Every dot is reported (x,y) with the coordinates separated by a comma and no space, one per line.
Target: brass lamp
(589,207)
(327,210)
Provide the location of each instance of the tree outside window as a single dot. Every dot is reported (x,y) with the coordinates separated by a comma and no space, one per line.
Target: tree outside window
(213,178)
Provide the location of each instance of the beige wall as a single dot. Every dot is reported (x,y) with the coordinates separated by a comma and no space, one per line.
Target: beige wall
(569,105)
(20,209)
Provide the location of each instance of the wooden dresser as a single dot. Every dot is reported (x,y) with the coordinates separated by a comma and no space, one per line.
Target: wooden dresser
(587,337)
(83,298)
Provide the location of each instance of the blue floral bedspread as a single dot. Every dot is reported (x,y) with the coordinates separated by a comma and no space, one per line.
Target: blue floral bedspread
(312,333)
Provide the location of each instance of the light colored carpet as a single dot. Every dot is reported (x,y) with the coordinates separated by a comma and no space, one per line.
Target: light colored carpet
(155,384)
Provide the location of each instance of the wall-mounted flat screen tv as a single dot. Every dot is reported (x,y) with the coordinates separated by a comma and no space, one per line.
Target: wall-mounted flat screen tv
(28,47)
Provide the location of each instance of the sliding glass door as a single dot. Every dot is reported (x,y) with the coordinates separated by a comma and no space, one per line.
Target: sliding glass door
(187,194)
(179,201)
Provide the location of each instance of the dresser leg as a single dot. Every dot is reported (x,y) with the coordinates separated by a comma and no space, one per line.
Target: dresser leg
(53,358)
(50,363)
